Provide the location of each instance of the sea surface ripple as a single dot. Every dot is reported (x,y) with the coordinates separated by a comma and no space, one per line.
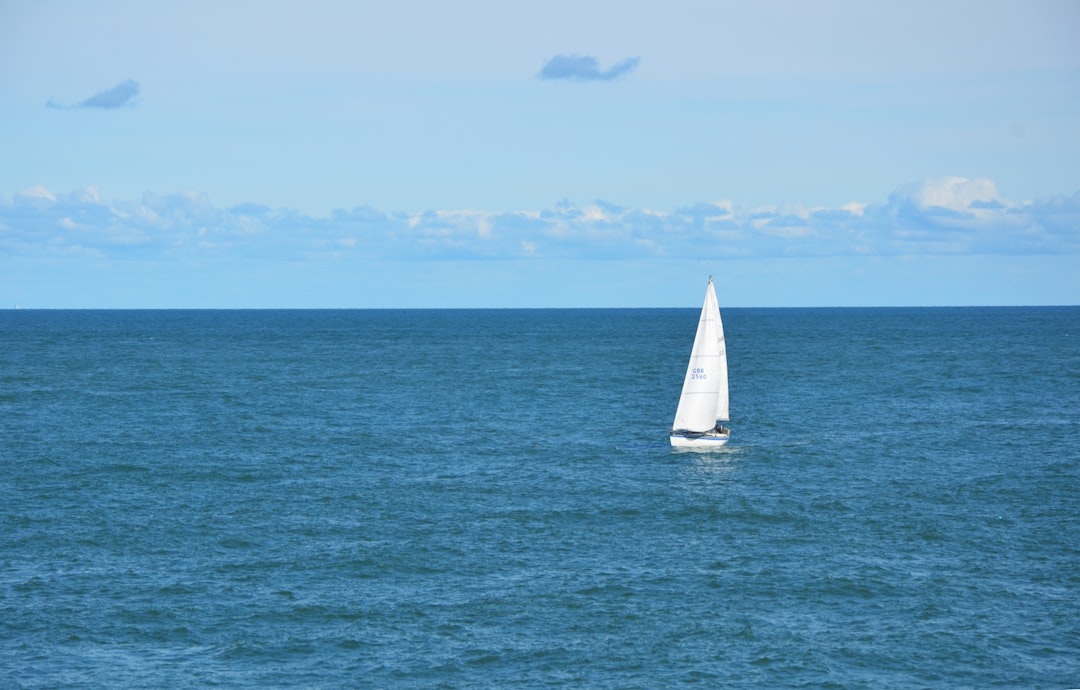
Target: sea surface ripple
(444,499)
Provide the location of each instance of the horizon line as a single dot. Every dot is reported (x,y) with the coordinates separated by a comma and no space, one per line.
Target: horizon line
(556,308)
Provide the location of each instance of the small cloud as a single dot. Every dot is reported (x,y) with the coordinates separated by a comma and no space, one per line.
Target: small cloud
(89,195)
(36,193)
(584,68)
(954,193)
(121,95)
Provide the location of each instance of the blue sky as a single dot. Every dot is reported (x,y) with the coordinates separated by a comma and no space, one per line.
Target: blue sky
(488,154)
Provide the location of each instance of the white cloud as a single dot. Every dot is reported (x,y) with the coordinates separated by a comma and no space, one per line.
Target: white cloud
(951,216)
(595,214)
(37,192)
(90,195)
(956,193)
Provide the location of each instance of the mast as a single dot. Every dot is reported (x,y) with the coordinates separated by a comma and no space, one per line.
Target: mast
(722,413)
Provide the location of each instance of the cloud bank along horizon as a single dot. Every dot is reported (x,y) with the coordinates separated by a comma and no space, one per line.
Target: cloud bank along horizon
(942,217)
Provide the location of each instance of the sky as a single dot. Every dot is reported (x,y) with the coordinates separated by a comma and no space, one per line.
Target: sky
(558,154)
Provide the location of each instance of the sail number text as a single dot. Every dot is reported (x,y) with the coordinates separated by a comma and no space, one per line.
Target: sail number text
(698,374)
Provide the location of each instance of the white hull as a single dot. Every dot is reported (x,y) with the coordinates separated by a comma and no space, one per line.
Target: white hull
(707,441)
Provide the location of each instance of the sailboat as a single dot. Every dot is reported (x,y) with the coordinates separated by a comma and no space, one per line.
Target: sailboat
(704,401)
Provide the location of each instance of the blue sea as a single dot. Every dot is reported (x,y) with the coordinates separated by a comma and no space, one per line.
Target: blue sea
(487,499)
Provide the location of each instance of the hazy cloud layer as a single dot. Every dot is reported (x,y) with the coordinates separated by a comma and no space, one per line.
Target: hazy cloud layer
(118,96)
(955,216)
(584,68)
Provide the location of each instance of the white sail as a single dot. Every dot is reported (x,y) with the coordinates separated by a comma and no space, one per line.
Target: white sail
(704,398)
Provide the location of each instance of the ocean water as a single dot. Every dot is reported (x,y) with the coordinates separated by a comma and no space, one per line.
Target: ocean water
(445,499)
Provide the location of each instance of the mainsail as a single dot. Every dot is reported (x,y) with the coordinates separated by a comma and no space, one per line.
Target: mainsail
(704,398)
